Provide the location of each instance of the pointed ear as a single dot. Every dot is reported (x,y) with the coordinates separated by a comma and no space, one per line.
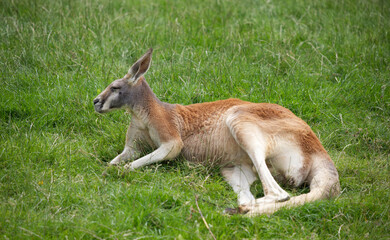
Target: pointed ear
(140,67)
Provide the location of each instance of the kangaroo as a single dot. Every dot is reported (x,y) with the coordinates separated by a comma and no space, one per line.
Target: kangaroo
(247,140)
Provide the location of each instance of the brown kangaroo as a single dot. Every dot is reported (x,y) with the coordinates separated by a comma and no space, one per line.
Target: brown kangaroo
(247,140)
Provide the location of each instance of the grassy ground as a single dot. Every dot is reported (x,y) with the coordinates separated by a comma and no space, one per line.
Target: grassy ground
(327,61)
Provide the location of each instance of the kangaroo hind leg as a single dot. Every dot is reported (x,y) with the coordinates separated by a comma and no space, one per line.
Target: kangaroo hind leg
(324,184)
(240,177)
(253,141)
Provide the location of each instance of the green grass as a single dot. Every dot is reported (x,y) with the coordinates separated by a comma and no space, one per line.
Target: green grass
(327,61)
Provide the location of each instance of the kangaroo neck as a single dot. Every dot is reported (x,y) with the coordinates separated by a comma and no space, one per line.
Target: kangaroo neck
(143,100)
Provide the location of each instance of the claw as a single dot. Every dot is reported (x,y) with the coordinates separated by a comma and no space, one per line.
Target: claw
(231,211)
(284,199)
(243,209)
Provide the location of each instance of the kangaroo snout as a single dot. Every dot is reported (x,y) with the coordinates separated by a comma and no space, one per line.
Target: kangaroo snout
(96,100)
(98,105)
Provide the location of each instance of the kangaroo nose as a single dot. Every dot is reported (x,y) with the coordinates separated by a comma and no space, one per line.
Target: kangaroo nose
(96,100)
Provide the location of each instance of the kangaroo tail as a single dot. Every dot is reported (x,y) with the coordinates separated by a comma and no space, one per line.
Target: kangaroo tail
(313,195)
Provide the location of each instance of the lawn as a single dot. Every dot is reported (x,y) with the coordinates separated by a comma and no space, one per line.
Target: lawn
(327,61)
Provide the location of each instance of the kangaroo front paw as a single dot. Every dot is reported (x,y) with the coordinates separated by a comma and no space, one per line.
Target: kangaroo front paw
(116,160)
(129,167)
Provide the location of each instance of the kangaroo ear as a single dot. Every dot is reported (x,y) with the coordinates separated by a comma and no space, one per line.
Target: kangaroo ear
(140,67)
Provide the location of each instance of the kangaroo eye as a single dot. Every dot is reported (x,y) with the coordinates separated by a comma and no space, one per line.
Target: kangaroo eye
(114,88)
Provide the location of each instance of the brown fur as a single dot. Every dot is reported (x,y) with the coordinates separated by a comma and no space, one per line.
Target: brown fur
(237,135)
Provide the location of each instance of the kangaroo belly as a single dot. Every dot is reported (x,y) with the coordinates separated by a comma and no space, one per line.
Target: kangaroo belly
(216,146)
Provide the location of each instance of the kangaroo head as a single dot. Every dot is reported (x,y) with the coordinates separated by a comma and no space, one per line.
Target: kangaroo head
(122,92)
